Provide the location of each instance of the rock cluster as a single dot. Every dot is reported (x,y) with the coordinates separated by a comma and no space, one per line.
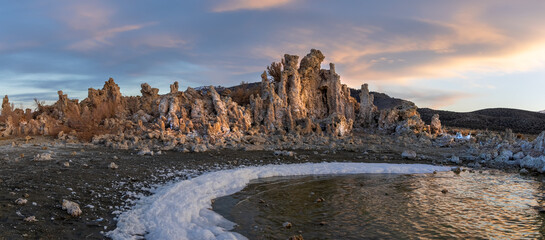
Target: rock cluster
(505,151)
(305,100)
(299,100)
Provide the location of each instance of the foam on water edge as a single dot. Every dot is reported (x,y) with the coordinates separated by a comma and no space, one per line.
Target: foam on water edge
(182,210)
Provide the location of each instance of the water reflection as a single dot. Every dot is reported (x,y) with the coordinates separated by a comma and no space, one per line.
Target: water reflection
(477,206)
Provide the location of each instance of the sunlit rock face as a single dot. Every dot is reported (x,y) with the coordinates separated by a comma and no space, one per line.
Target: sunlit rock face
(299,99)
(6,107)
(305,92)
(435,125)
(401,119)
(368,111)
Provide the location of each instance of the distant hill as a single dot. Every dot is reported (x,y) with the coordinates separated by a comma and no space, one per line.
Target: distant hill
(382,100)
(498,119)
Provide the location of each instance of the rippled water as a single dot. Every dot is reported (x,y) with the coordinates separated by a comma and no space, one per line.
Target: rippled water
(476,206)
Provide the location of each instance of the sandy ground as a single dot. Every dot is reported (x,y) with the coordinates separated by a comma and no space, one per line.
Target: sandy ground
(81,173)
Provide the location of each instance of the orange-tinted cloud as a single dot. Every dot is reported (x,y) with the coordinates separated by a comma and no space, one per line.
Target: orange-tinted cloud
(462,47)
(450,45)
(234,5)
(432,98)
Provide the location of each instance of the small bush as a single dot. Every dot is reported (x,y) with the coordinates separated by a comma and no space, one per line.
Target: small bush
(275,71)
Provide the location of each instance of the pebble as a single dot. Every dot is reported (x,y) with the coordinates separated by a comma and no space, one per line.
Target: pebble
(71,208)
(30,219)
(296,237)
(284,153)
(444,191)
(42,157)
(113,165)
(287,225)
(21,201)
(408,154)
(457,170)
(66,164)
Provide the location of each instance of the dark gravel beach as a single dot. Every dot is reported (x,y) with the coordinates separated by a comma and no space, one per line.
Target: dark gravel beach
(82,173)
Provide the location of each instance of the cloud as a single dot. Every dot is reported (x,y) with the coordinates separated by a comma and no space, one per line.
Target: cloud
(234,5)
(432,98)
(88,15)
(94,24)
(457,49)
(101,38)
(448,45)
(160,41)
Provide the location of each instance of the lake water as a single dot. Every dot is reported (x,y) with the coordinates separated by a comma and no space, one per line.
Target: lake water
(392,206)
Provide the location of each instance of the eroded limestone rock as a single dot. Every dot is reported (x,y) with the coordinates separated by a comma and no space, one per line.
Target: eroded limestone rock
(302,102)
(71,208)
(435,125)
(6,106)
(368,110)
(539,143)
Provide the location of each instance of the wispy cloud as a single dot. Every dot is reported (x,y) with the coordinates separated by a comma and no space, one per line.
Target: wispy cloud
(161,41)
(88,15)
(101,37)
(94,24)
(433,98)
(19,78)
(234,5)
(456,49)
(450,45)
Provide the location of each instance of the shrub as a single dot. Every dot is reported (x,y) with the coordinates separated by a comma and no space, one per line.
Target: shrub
(275,71)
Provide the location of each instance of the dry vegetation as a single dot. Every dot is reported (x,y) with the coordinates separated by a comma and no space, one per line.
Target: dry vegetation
(241,93)
(275,71)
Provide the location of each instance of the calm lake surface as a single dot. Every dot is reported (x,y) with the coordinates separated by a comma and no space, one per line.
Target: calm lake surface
(392,206)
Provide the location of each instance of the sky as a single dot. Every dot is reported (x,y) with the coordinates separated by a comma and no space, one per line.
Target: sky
(453,55)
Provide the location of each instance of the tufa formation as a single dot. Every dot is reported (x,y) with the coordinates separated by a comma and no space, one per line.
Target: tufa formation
(296,98)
